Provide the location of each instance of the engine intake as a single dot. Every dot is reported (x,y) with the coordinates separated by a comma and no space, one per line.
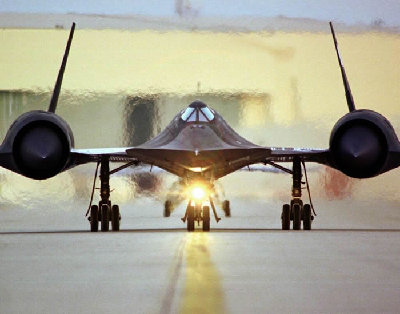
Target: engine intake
(359,143)
(39,143)
(41,150)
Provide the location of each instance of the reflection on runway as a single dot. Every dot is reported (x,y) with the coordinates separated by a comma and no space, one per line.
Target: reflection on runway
(203,291)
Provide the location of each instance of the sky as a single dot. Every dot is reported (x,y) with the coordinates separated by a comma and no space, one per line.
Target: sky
(346,11)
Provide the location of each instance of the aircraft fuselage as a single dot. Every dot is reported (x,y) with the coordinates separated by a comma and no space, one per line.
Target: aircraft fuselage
(199,146)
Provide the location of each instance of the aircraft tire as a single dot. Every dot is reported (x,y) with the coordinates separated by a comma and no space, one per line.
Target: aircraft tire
(307,217)
(94,218)
(105,220)
(206,218)
(115,218)
(167,208)
(292,202)
(226,207)
(285,217)
(296,216)
(190,219)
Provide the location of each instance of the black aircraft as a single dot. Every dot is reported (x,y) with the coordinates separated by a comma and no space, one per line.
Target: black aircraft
(199,147)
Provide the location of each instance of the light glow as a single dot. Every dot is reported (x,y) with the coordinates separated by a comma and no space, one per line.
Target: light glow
(198,193)
(196,169)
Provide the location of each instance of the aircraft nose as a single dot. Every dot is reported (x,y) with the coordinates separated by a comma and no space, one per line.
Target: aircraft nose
(199,137)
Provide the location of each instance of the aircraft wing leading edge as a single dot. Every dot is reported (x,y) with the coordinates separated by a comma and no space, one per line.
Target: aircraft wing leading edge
(83,156)
(279,154)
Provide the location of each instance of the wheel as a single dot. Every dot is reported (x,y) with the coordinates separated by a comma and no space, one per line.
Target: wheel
(94,218)
(190,219)
(167,208)
(296,216)
(292,202)
(105,220)
(115,218)
(226,207)
(307,217)
(206,218)
(101,205)
(285,217)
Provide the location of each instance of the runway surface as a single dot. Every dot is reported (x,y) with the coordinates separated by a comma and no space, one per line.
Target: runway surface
(50,263)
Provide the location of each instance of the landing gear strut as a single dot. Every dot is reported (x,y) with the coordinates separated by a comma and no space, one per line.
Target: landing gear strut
(296,211)
(104,212)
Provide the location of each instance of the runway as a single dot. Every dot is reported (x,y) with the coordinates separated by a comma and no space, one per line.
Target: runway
(50,263)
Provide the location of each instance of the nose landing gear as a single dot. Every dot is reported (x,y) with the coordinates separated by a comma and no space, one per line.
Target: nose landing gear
(199,213)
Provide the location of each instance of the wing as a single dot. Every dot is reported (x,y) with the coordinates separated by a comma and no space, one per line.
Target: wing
(270,155)
(284,154)
(83,156)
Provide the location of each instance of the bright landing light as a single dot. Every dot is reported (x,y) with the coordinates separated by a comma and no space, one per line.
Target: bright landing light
(198,193)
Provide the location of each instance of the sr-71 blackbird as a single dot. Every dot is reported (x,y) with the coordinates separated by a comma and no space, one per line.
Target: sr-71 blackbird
(199,147)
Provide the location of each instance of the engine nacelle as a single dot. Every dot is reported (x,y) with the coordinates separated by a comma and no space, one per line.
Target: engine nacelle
(39,144)
(360,143)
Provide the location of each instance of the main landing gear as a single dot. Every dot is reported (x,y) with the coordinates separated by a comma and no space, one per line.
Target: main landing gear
(104,212)
(296,211)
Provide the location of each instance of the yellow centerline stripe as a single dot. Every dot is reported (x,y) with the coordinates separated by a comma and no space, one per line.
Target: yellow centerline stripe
(203,291)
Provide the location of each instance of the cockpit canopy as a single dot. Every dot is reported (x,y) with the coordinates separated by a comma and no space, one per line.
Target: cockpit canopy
(197,112)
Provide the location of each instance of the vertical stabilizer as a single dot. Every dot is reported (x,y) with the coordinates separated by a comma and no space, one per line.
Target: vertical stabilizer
(57,86)
(349,96)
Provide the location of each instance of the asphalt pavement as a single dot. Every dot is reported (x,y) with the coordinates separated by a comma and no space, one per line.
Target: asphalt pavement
(50,263)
